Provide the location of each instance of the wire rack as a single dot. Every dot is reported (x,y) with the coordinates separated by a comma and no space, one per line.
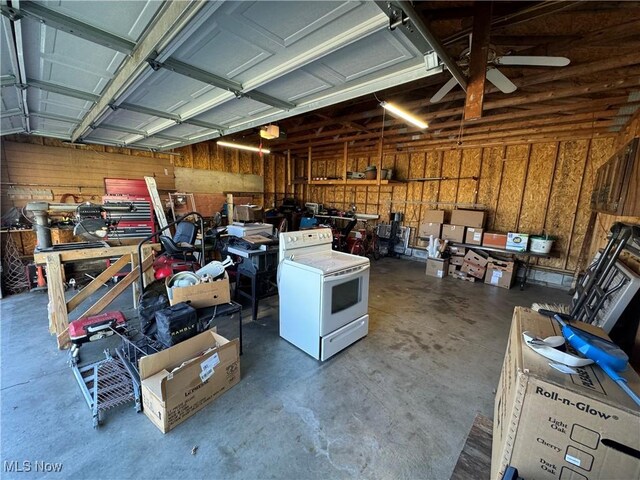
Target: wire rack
(104,384)
(135,345)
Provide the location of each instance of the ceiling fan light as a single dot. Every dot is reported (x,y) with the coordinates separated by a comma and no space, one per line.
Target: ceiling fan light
(240,146)
(404,115)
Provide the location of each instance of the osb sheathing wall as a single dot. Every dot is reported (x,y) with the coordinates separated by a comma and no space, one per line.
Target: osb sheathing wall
(209,156)
(530,188)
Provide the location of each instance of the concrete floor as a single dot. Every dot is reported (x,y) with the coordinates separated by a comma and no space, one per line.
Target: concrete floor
(397,404)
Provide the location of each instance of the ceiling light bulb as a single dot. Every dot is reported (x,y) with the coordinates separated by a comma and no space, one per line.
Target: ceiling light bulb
(404,115)
(244,147)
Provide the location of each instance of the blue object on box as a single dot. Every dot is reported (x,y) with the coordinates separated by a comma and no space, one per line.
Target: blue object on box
(308,222)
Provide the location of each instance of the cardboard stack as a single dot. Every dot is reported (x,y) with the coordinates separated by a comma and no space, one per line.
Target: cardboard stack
(500,273)
(554,425)
(431,224)
(465,227)
(474,265)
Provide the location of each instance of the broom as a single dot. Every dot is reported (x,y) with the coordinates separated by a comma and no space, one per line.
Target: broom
(551,307)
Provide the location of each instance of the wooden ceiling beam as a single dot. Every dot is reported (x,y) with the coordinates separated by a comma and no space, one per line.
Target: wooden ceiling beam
(478,60)
(523,135)
(530,40)
(613,63)
(593,108)
(517,139)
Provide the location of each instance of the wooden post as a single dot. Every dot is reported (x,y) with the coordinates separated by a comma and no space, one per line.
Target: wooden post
(309,166)
(478,61)
(344,166)
(229,208)
(379,162)
(58,316)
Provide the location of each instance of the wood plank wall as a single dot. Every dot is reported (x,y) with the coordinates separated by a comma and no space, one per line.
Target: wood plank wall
(31,163)
(531,188)
(39,163)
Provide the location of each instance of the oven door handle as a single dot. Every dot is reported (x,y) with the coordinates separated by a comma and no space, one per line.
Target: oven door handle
(354,272)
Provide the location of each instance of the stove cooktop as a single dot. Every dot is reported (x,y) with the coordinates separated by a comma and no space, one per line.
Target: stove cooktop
(330,262)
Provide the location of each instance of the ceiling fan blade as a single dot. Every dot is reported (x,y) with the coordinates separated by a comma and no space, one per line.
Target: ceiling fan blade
(503,84)
(537,61)
(446,88)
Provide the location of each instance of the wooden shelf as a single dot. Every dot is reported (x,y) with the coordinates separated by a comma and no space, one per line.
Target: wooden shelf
(352,182)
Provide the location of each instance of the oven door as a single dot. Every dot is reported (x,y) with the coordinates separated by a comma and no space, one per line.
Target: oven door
(345,297)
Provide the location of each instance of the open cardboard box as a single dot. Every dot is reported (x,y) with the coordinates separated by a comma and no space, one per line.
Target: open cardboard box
(201,295)
(553,425)
(181,380)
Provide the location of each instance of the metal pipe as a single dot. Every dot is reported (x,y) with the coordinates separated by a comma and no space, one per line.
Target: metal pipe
(423,30)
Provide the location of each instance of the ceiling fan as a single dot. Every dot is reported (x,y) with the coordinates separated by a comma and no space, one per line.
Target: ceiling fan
(495,76)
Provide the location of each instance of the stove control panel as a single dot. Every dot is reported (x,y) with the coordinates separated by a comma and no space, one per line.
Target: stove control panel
(306,238)
(295,242)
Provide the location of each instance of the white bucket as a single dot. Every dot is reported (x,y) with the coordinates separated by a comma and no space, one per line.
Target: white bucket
(540,244)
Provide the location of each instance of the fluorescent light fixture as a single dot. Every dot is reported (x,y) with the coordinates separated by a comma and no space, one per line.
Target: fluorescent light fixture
(404,115)
(243,147)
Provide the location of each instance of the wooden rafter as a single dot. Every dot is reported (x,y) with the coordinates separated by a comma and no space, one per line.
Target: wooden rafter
(478,60)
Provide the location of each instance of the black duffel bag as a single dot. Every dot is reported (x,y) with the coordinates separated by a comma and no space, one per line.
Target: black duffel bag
(176,324)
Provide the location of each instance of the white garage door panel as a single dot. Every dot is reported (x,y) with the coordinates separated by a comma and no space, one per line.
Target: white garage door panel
(222,52)
(168,91)
(274,33)
(128,19)
(373,54)
(286,23)
(48,125)
(185,130)
(11,125)
(112,135)
(58,57)
(296,85)
(48,102)
(10,99)
(236,111)
(6,67)
(128,119)
(156,143)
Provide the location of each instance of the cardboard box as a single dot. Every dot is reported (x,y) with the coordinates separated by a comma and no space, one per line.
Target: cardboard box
(456,260)
(453,233)
(500,273)
(518,242)
(452,268)
(248,213)
(492,239)
(181,380)
(476,258)
(457,250)
(437,267)
(427,229)
(553,425)
(433,216)
(468,218)
(203,294)
(473,236)
(473,270)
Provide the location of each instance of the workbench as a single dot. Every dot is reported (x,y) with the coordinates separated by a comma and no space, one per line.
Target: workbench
(527,256)
(59,308)
(260,268)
